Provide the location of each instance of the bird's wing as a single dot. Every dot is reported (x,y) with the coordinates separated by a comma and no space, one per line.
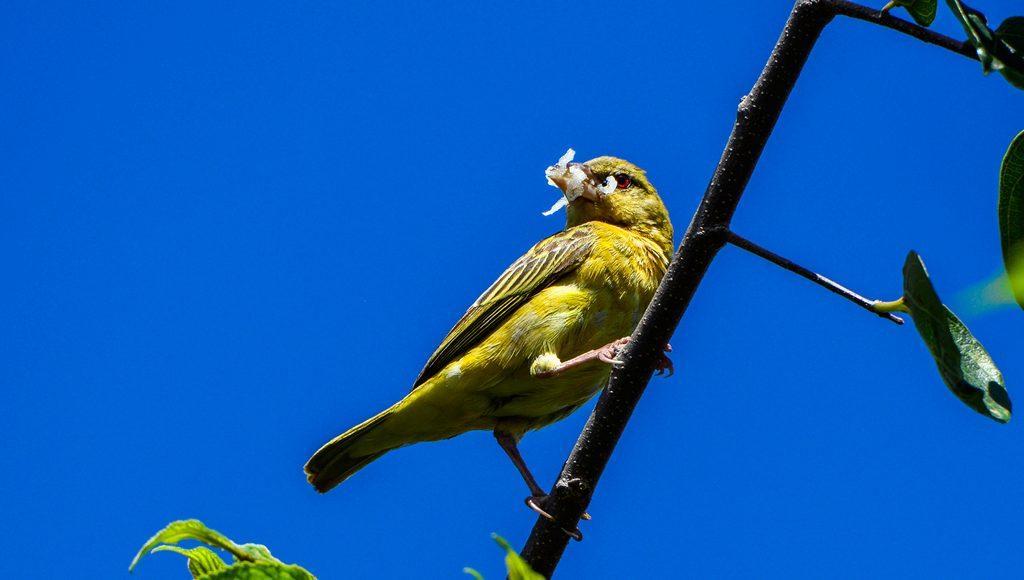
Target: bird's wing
(546,262)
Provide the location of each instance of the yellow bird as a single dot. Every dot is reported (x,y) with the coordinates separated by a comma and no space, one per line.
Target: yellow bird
(538,343)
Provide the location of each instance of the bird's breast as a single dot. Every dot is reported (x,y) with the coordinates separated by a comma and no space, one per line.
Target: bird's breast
(625,264)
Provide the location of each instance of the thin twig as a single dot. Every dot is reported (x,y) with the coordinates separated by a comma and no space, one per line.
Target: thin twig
(830,285)
(859,12)
(756,117)
(962,47)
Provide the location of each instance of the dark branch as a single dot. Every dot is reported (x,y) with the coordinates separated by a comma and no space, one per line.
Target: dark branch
(818,279)
(706,234)
(756,118)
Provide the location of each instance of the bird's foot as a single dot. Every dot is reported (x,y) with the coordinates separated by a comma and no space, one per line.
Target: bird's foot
(665,366)
(609,352)
(535,503)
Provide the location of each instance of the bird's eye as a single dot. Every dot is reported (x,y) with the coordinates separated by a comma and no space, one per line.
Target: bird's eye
(623,180)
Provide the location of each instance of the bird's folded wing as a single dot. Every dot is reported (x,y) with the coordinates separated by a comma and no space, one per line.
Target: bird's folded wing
(545,263)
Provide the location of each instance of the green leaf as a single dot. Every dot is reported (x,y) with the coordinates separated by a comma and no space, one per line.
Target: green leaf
(201,560)
(964,365)
(204,564)
(258,552)
(922,11)
(993,47)
(252,561)
(191,530)
(1011,215)
(476,575)
(1013,77)
(518,569)
(261,571)
(1011,33)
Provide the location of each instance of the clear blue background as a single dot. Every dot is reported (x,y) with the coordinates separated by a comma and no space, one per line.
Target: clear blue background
(229,232)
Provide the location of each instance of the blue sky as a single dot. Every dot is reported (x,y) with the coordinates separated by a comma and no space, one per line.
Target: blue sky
(231,230)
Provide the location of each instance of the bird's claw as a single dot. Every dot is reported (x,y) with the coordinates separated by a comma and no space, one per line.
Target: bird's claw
(534,503)
(609,353)
(575,533)
(665,366)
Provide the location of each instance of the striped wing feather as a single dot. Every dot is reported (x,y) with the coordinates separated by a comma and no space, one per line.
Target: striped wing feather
(545,263)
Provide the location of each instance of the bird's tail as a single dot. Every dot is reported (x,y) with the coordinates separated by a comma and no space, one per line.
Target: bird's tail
(349,452)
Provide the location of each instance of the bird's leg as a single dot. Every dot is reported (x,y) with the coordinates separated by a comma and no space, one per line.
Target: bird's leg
(537,497)
(606,354)
(509,444)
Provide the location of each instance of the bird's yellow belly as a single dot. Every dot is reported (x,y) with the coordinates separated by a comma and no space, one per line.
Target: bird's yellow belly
(568,320)
(491,385)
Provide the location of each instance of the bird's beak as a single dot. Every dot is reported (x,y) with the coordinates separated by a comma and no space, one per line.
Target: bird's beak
(576,180)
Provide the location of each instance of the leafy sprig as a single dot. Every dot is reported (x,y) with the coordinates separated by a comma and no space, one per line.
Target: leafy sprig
(250,561)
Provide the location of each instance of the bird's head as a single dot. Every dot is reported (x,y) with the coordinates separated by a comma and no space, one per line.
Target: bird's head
(615,191)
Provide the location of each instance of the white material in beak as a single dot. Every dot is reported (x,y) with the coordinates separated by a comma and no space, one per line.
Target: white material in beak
(562,202)
(575,181)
